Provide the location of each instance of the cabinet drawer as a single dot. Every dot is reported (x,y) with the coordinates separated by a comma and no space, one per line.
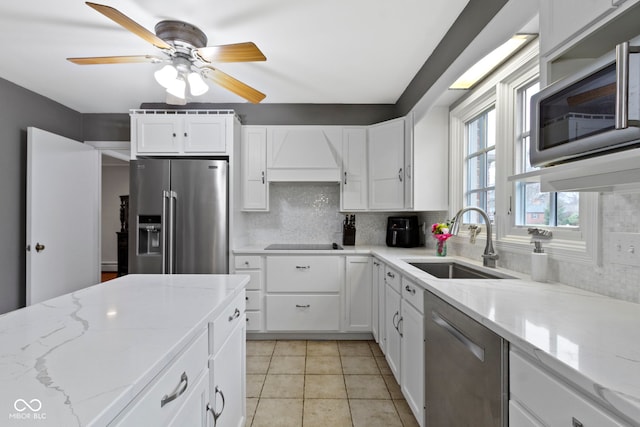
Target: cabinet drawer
(253,300)
(247,261)
(549,399)
(413,293)
(303,312)
(179,376)
(254,320)
(231,316)
(392,278)
(304,274)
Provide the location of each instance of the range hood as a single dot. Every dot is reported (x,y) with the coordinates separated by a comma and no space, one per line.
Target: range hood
(304,154)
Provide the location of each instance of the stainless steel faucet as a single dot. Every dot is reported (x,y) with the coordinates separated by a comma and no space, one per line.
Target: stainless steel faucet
(489,256)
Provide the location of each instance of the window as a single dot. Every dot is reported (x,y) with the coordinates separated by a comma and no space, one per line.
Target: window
(489,145)
(533,208)
(480,160)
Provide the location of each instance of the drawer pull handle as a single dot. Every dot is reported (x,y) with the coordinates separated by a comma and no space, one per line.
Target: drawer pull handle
(576,423)
(235,315)
(180,388)
(303,306)
(215,414)
(303,267)
(390,274)
(410,290)
(246,263)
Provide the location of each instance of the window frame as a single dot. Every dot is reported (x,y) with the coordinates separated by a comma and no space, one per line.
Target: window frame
(501,90)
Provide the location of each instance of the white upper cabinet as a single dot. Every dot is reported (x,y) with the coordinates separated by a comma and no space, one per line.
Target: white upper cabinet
(386,165)
(353,194)
(303,153)
(253,152)
(183,133)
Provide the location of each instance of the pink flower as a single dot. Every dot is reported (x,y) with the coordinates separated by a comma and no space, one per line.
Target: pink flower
(442,237)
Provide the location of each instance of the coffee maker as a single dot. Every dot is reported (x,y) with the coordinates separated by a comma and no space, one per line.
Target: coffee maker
(403,231)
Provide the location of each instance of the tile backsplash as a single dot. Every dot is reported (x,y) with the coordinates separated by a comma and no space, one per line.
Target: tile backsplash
(619,213)
(309,213)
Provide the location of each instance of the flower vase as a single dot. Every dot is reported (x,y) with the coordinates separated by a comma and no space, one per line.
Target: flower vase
(441,248)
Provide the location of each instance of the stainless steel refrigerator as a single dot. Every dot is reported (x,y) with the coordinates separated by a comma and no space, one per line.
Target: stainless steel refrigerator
(178,216)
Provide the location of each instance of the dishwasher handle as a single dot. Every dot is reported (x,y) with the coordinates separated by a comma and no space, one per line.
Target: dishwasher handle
(474,348)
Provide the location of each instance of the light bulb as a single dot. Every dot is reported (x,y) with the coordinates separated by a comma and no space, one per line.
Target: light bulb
(197,85)
(177,88)
(166,75)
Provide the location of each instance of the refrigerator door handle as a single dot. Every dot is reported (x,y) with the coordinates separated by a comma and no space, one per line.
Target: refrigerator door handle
(164,230)
(173,198)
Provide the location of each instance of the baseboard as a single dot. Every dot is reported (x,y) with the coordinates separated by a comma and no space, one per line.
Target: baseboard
(109,266)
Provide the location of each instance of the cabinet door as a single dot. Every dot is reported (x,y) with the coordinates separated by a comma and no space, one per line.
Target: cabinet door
(253,151)
(412,356)
(159,134)
(204,134)
(386,165)
(358,294)
(392,318)
(382,328)
(227,368)
(353,195)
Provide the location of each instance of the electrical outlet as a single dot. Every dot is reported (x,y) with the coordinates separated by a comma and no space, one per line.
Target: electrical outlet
(625,248)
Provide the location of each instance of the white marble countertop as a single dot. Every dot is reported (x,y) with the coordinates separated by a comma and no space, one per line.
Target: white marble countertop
(590,339)
(78,359)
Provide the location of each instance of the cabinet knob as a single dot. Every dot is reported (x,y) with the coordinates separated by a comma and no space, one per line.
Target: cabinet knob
(410,290)
(185,134)
(174,134)
(39,247)
(390,274)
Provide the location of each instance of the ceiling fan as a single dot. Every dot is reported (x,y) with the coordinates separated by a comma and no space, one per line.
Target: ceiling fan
(187,56)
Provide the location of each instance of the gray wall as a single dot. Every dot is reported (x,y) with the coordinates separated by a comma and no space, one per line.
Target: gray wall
(20,108)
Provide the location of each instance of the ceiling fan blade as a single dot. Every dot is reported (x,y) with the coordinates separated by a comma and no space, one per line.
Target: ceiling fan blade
(128,23)
(238,52)
(116,59)
(234,85)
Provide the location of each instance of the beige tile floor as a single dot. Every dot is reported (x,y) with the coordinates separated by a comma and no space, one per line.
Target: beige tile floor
(322,383)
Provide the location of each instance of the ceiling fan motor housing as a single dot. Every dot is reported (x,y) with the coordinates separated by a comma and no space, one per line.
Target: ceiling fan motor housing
(172,31)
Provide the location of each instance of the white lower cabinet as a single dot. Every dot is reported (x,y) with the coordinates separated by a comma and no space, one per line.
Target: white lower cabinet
(227,370)
(549,399)
(412,348)
(252,266)
(358,294)
(392,325)
(304,293)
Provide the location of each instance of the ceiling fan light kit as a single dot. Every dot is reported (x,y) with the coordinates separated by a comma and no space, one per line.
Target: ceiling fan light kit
(188,59)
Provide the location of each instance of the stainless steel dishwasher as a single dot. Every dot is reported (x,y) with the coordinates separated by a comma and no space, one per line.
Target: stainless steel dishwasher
(465,369)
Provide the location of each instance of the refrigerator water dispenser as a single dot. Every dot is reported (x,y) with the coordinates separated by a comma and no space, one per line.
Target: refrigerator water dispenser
(149,228)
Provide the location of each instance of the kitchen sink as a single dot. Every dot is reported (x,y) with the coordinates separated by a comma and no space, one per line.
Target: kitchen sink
(454,270)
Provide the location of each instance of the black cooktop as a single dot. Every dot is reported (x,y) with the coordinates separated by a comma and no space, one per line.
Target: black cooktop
(304,247)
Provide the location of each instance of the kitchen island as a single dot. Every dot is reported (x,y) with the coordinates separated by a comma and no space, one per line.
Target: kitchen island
(87,357)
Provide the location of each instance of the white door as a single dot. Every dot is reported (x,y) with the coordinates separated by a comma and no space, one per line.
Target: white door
(63,215)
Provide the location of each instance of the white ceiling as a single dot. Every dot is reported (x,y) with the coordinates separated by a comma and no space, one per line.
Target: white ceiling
(326,51)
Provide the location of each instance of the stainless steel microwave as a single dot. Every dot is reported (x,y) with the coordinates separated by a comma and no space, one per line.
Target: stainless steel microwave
(592,112)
